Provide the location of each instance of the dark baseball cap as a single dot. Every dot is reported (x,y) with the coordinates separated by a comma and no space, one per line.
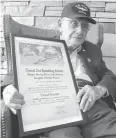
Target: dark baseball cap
(77,10)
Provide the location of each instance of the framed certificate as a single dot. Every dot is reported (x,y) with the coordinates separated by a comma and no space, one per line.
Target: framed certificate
(43,74)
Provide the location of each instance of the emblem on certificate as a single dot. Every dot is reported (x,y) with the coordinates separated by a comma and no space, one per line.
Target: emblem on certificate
(43,74)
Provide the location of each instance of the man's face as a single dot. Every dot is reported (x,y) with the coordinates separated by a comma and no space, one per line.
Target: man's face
(74,31)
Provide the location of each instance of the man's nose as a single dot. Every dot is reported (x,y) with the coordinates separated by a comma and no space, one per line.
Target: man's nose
(79,29)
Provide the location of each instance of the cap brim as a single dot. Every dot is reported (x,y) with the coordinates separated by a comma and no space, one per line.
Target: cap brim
(89,19)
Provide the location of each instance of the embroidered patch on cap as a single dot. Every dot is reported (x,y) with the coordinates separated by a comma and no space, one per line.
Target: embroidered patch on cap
(81,8)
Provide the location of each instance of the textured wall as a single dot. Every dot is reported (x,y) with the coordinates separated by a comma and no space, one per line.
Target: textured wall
(46,13)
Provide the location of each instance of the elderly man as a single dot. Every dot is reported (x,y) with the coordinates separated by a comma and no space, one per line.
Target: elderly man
(93,78)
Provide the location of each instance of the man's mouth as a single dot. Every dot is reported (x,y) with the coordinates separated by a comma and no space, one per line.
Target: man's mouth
(77,37)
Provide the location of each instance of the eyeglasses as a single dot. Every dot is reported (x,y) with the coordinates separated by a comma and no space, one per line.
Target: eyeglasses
(75,24)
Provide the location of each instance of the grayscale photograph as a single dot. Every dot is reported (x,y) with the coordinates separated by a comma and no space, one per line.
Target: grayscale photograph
(58,68)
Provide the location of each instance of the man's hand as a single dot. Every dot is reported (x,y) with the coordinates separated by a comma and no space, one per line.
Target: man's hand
(12,98)
(88,95)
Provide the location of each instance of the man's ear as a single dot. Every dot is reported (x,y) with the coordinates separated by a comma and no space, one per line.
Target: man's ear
(60,25)
(59,22)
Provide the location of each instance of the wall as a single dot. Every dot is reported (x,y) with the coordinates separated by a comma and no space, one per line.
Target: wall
(42,13)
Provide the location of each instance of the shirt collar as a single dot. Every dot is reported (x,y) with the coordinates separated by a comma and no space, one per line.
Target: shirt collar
(71,49)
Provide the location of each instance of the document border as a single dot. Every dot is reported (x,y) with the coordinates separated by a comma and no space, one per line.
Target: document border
(14,64)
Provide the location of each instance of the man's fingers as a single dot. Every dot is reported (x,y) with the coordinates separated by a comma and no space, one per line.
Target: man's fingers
(9,100)
(80,94)
(12,91)
(15,106)
(12,98)
(17,101)
(84,100)
(18,95)
(86,107)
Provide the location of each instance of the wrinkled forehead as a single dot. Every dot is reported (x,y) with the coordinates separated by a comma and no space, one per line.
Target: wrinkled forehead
(80,20)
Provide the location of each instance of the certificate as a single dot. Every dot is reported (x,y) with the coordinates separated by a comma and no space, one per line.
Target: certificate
(43,74)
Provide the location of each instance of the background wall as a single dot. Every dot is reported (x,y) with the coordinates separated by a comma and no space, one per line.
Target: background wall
(42,13)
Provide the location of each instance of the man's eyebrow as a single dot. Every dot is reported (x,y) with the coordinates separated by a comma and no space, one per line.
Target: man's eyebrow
(84,20)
